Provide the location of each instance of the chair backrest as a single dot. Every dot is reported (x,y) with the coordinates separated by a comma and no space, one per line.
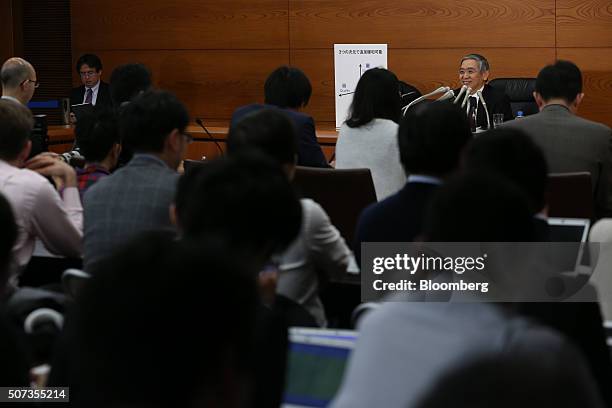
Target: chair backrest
(520,93)
(343,194)
(570,195)
(73,281)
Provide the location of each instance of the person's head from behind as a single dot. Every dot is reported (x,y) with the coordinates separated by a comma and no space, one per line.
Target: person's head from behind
(16,124)
(244,200)
(376,97)
(513,155)
(18,79)
(155,122)
(287,87)
(128,81)
(560,82)
(431,138)
(97,136)
(149,323)
(8,236)
(268,131)
(475,207)
(89,68)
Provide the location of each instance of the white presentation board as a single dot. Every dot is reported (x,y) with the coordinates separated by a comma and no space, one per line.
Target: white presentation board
(350,62)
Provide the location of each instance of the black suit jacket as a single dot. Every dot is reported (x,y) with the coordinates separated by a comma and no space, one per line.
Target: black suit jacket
(497,102)
(398,218)
(309,151)
(104,97)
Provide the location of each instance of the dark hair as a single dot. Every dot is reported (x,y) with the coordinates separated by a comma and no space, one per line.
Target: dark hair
(141,325)
(431,137)
(479,208)
(513,155)
(244,200)
(96,134)
(269,131)
(8,236)
(287,87)
(145,123)
(376,96)
(127,81)
(16,124)
(89,59)
(562,80)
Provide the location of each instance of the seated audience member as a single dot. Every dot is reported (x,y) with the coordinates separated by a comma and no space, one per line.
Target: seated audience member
(289,89)
(431,137)
(512,154)
(474,73)
(319,248)
(18,79)
(13,362)
(137,197)
(98,139)
(404,348)
(39,210)
(368,138)
(246,204)
(92,90)
(514,380)
(570,143)
(128,81)
(161,316)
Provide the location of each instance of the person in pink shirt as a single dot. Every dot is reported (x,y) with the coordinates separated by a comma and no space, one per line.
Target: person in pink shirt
(40,211)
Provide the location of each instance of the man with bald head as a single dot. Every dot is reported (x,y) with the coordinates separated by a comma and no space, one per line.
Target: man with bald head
(18,79)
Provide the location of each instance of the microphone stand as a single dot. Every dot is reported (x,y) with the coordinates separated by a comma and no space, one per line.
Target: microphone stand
(484,105)
(201,124)
(442,89)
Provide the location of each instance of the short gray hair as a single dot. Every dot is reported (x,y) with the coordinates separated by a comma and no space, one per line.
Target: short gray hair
(482,61)
(14,72)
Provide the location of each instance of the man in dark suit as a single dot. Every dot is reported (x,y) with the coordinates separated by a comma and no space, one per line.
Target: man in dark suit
(431,137)
(93,90)
(569,142)
(289,89)
(474,73)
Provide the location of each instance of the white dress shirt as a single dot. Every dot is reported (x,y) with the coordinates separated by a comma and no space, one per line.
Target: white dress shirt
(41,213)
(94,96)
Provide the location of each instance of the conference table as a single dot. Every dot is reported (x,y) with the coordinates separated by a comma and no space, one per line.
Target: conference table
(61,139)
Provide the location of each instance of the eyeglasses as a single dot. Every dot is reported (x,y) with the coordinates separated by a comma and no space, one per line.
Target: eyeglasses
(88,74)
(36,83)
(188,137)
(467,71)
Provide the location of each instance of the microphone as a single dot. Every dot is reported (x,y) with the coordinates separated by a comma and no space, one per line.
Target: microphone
(458,98)
(442,89)
(465,98)
(448,95)
(199,122)
(484,105)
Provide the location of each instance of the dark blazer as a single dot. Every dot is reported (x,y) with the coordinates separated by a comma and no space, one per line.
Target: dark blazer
(497,102)
(571,143)
(309,151)
(104,97)
(398,218)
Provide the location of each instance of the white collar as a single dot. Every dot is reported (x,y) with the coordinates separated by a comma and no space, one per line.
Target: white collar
(423,178)
(10,98)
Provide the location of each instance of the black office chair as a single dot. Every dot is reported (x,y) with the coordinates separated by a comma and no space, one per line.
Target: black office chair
(520,93)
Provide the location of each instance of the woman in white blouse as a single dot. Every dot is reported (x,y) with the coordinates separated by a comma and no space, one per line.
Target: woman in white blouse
(368,138)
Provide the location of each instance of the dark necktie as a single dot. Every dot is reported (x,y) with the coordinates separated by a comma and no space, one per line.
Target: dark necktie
(472,112)
(88,95)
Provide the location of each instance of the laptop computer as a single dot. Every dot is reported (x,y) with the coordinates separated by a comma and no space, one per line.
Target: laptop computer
(316,363)
(570,230)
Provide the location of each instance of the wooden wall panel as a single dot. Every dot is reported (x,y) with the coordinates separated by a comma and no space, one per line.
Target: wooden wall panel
(211,83)
(184,24)
(596,66)
(426,69)
(584,23)
(423,23)
(6,31)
